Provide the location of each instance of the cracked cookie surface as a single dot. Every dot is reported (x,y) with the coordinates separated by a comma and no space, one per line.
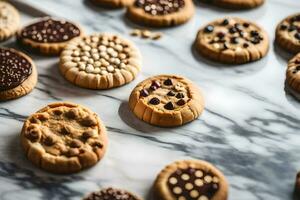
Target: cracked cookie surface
(232,41)
(190,180)
(100,61)
(9,20)
(166,100)
(64,138)
(161,13)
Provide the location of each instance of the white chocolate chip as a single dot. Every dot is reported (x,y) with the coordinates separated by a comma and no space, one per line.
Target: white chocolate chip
(122,55)
(110,68)
(90,61)
(104,72)
(89,68)
(202,197)
(102,48)
(194,193)
(82,66)
(97,64)
(84,58)
(177,190)
(173,180)
(208,179)
(86,48)
(122,65)
(94,50)
(119,47)
(96,56)
(97,70)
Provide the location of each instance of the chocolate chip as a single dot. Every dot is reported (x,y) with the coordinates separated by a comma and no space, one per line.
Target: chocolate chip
(234,40)
(232,30)
(66,130)
(87,134)
(242,34)
(97,144)
(33,135)
(220,34)
(75,143)
(255,40)
(246,25)
(156,84)
(225,22)
(245,45)
(57,111)
(209,29)
(292,28)
(225,46)
(154,101)
(283,27)
(169,106)
(181,102)
(171,93)
(49,140)
(72,113)
(168,82)
(43,117)
(180,95)
(297,36)
(89,121)
(144,93)
(297,61)
(238,26)
(254,33)
(295,18)
(72,152)
(297,68)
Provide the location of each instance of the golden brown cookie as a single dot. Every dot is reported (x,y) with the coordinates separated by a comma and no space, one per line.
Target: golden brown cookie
(18,75)
(100,61)
(113,3)
(111,194)
(232,40)
(166,100)
(161,13)
(236,4)
(48,35)
(293,76)
(9,20)
(64,138)
(190,180)
(288,34)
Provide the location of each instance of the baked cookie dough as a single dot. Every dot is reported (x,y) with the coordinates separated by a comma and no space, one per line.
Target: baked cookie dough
(236,4)
(190,180)
(113,3)
(288,34)
(48,35)
(293,76)
(100,61)
(161,13)
(18,75)
(232,40)
(64,138)
(166,100)
(111,194)
(9,20)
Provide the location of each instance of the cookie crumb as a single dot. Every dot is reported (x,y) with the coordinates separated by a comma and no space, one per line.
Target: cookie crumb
(146,34)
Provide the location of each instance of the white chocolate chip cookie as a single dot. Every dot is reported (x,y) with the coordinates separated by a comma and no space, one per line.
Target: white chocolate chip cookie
(9,20)
(100,61)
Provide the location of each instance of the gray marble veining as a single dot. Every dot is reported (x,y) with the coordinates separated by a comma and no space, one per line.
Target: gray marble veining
(249,129)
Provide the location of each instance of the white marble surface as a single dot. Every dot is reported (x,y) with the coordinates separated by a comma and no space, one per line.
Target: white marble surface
(250,127)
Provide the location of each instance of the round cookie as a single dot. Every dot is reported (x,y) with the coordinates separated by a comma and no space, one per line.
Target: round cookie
(232,41)
(111,194)
(190,180)
(293,76)
(64,138)
(113,3)
(166,100)
(161,13)
(100,61)
(236,4)
(9,20)
(48,35)
(18,74)
(288,34)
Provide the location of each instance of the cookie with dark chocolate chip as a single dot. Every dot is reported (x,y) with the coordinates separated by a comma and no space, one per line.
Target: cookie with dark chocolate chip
(18,74)
(9,20)
(64,142)
(113,3)
(190,180)
(166,100)
(48,35)
(232,40)
(161,13)
(111,194)
(235,4)
(293,76)
(288,34)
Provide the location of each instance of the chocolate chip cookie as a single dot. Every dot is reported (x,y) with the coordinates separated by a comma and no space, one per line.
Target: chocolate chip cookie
(100,61)
(236,4)
(18,75)
(288,34)
(293,76)
(9,20)
(232,41)
(113,3)
(111,194)
(166,100)
(64,138)
(190,180)
(161,13)
(48,35)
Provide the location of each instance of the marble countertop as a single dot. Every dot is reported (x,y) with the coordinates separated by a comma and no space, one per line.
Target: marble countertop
(249,129)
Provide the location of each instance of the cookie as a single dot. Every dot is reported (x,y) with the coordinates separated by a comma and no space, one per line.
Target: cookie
(161,13)
(100,61)
(293,76)
(166,100)
(18,75)
(190,180)
(232,41)
(297,185)
(113,3)
(9,20)
(48,35)
(64,138)
(288,34)
(111,194)
(236,4)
